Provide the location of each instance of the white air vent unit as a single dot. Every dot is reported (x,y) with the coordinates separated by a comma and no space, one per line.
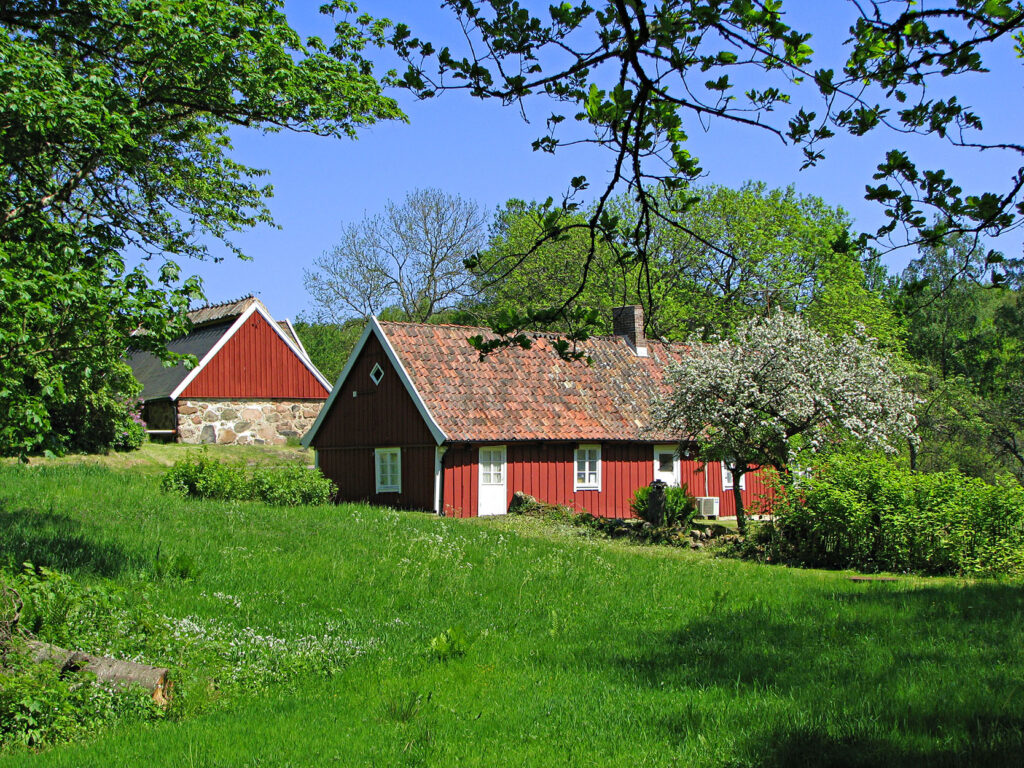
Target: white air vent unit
(707,507)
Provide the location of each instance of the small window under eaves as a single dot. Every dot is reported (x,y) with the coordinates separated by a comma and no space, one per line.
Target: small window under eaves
(377,373)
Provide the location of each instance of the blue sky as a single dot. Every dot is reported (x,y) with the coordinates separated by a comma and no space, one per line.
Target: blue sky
(482,151)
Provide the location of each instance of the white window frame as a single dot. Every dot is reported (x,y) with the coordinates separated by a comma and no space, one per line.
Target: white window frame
(378,454)
(494,449)
(576,485)
(376,374)
(727,482)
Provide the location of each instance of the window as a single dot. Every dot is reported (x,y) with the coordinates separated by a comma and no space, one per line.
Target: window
(377,373)
(389,469)
(666,462)
(492,466)
(588,468)
(727,480)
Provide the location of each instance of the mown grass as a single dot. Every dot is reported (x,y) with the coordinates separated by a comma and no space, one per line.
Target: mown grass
(155,458)
(575,652)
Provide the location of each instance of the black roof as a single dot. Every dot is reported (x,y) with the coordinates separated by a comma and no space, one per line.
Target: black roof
(159,381)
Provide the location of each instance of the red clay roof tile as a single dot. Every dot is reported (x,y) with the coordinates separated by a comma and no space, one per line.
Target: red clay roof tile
(533,394)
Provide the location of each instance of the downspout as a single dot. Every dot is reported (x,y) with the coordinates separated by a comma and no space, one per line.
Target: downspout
(438,475)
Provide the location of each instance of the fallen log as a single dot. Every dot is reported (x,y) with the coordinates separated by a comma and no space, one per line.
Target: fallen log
(107,670)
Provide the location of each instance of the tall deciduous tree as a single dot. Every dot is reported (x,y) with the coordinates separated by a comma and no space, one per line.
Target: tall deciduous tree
(114,132)
(778,385)
(961,323)
(329,344)
(756,251)
(636,78)
(967,336)
(1006,417)
(410,258)
(521,272)
(759,250)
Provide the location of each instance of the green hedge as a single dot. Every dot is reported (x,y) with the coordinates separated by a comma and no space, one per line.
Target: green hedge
(202,477)
(871,514)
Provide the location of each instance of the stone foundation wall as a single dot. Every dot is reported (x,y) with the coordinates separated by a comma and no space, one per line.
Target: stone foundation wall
(245,422)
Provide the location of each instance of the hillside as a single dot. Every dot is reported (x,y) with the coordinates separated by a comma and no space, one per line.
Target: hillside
(404,639)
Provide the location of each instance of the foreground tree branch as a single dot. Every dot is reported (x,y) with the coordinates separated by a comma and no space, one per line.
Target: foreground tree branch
(638,77)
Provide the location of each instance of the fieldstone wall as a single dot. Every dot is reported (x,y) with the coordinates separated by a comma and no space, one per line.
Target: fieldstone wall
(245,422)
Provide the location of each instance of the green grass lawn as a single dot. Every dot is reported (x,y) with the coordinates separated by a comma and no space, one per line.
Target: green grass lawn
(155,458)
(576,651)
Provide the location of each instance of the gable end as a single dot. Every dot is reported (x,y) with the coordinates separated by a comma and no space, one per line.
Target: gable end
(374,344)
(254,359)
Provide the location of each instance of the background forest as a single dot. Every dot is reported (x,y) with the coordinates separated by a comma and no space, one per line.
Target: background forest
(952,325)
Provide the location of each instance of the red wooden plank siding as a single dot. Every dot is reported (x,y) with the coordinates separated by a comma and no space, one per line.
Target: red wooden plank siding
(545,471)
(353,471)
(460,481)
(256,364)
(380,415)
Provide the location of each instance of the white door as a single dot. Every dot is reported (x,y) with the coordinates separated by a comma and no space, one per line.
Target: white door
(666,464)
(492,498)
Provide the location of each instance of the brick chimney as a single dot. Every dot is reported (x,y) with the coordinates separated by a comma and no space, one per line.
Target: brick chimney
(629,322)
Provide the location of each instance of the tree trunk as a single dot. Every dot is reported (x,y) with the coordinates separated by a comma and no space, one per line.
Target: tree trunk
(737,494)
(106,669)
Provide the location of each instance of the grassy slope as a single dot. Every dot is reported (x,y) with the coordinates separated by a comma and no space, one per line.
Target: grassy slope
(155,458)
(579,652)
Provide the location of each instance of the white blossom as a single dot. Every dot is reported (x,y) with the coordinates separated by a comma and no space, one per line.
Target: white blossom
(780,383)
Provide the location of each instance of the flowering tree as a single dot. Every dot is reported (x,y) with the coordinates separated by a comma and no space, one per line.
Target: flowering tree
(747,401)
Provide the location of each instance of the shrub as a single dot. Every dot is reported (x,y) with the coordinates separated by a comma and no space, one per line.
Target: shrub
(202,477)
(283,486)
(130,437)
(450,644)
(100,413)
(680,506)
(868,513)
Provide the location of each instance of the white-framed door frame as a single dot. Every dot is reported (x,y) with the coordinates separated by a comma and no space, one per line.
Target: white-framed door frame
(677,478)
(492,498)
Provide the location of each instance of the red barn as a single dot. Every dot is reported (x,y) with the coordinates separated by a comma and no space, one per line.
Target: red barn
(418,420)
(254,382)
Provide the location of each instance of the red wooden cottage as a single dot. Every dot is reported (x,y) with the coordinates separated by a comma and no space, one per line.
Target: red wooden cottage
(418,420)
(254,383)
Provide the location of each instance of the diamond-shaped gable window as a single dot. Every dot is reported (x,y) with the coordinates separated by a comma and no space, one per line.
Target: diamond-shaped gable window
(377,373)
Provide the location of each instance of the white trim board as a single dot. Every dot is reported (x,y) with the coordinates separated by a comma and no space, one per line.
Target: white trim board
(373,326)
(225,337)
(255,307)
(302,347)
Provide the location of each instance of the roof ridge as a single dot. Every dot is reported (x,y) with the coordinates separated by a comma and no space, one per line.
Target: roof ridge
(223,303)
(534,333)
(433,325)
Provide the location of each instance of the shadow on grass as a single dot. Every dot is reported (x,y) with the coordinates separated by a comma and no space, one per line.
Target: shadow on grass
(879,676)
(55,541)
(812,749)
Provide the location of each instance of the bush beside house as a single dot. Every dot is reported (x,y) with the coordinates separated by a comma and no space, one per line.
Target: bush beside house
(202,477)
(868,513)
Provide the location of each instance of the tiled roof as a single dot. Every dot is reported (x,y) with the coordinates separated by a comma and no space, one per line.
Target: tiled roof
(533,394)
(228,310)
